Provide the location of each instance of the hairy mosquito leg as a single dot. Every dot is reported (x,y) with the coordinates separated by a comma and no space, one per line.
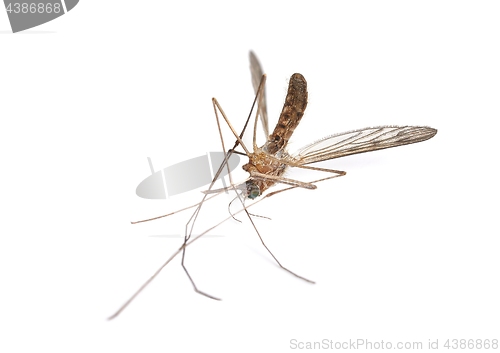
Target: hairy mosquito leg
(172,213)
(282,180)
(144,285)
(339,172)
(266,247)
(264,244)
(187,236)
(296,186)
(192,220)
(262,240)
(127,303)
(257,100)
(191,279)
(227,188)
(274,257)
(240,153)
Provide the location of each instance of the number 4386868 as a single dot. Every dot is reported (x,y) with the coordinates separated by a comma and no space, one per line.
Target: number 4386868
(34,7)
(471,344)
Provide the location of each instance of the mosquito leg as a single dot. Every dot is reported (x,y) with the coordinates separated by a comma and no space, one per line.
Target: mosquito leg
(172,213)
(238,137)
(127,303)
(141,288)
(217,107)
(144,285)
(339,172)
(296,186)
(190,278)
(270,252)
(192,220)
(262,240)
(240,153)
(187,236)
(276,179)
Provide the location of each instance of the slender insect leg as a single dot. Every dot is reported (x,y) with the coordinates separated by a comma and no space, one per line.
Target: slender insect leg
(218,191)
(326,170)
(178,211)
(127,303)
(296,186)
(295,164)
(275,193)
(189,276)
(270,252)
(238,137)
(192,220)
(282,180)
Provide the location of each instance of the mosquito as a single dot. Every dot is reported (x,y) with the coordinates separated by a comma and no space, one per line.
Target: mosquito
(267,164)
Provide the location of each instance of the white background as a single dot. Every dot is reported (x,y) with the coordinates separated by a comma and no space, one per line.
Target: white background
(403,248)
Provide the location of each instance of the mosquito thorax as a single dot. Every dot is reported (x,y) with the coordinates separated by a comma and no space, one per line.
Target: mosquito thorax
(253,190)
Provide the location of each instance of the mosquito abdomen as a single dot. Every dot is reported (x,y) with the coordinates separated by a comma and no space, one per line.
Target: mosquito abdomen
(293,110)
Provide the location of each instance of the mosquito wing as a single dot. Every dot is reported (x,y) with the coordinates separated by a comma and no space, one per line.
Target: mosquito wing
(257,74)
(363,140)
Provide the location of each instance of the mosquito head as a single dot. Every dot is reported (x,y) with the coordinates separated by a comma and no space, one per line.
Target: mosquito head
(253,190)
